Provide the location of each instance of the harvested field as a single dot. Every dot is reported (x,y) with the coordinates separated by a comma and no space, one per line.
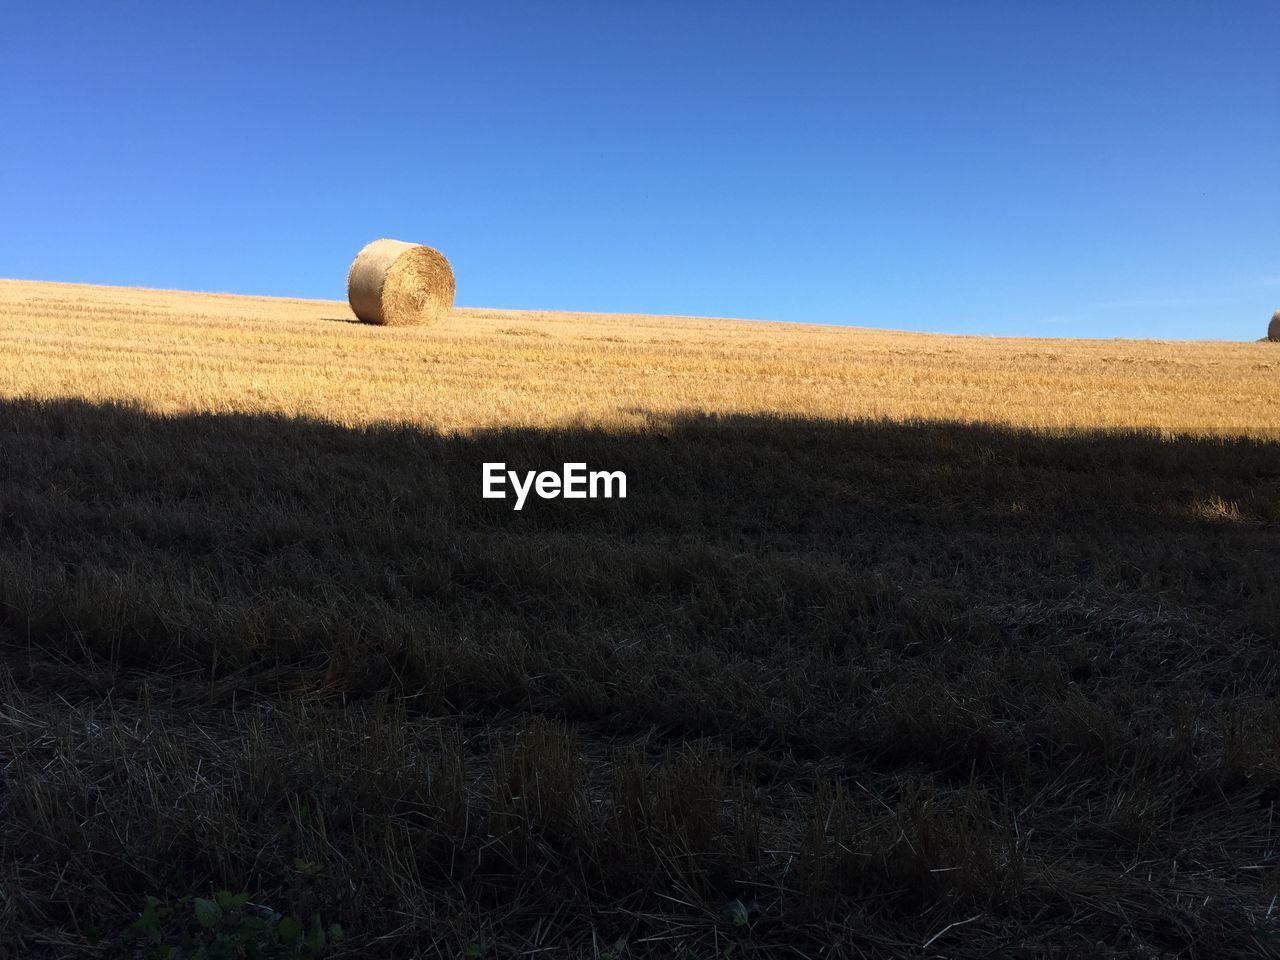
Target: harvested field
(174,351)
(900,645)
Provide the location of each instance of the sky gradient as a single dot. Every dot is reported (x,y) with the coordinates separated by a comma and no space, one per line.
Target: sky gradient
(1083,169)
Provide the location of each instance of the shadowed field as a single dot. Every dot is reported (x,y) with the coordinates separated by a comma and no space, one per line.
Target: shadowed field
(929,665)
(844,682)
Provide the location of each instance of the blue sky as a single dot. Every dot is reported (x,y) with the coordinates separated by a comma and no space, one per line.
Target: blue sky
(1056,169)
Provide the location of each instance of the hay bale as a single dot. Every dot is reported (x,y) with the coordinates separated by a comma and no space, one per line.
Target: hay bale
(396,283)
(1273,330)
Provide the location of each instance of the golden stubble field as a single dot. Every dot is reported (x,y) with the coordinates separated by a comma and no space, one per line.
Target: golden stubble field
(899,646)
(178,352)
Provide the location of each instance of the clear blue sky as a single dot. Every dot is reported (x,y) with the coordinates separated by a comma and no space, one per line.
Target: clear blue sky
(1060,169)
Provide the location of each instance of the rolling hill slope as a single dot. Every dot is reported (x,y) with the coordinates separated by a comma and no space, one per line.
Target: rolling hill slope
(895,639)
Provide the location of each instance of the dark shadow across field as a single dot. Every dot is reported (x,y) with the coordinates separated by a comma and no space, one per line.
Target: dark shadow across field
(866,679)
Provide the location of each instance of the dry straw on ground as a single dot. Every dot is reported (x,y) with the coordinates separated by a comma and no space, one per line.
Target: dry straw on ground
(173,352)
(396,283)
(838,684)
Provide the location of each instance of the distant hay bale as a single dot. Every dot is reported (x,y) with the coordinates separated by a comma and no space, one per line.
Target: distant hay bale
(397,283)
(1273,330)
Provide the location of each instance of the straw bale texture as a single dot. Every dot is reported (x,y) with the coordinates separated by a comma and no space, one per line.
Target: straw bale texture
(396,283)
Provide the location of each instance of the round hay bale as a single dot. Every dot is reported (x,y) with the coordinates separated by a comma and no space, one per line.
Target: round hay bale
(1273,329)
(397,283)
